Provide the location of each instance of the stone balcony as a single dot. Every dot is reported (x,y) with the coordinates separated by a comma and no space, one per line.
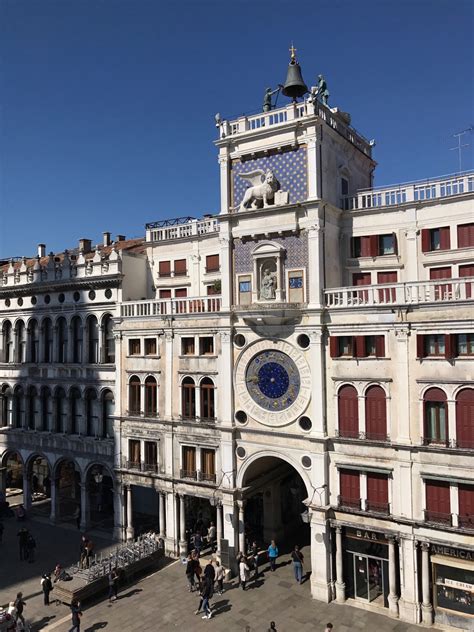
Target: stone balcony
(181,228)
(171,306)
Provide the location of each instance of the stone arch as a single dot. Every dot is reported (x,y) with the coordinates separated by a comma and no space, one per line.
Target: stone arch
(277,455)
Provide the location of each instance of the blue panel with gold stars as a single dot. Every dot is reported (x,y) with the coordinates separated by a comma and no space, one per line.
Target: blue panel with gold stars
(273,380)
(290,169)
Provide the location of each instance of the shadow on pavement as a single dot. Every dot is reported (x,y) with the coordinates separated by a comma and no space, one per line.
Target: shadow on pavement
(39,625)
(130,593)
(97,626)
(221,606)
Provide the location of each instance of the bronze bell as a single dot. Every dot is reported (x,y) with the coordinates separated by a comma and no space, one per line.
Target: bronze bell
(294,85)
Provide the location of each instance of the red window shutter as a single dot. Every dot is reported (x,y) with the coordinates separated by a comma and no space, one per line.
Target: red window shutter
(377,488)
(376,413)
(444,238)
(387,277)
(380,346)
(349,483)
(440,273)
(164,268)
(464,418)
(420,346)
(365,245)
(359,347)
(374,245)
(165,293)
(466,270)
(181,292)
(425,240)
(333,347)
(180,266)
(449,346)
(466,501)
(212,263)
(348,412)
(438,497)
(361,278)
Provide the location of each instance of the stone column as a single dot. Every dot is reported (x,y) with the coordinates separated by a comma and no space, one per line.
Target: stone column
(162,517)
(169,375)
(182,526)
(240,504)
(426,607)
(84,507)
(224,392)
(26,489)
(316,355)
(218,527)
(340,585)
(316,280)
(55,334)
(392,577)
(130,529)
(70,345)
(118,512)
(102,344)
(53,516)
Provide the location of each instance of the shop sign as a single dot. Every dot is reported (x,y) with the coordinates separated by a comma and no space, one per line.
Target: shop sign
(460,585)
(450,552)
(368,536)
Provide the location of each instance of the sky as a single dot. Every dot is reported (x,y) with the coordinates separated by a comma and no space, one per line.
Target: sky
(107,107)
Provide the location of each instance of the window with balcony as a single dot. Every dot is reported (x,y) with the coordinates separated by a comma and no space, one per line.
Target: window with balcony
(435,239)
(206,345)
(165,294)
(438,503)
(188,469)
(180,267)
(349,489)
(348,412)
(465,418)
(467,270)
(188,401)
(151,456)
(212,263)
(77,339)
(443,291)
(180,292)
(208,465)
(164,268)
(376,414)
(207,399)
(377,493)
(150,346)
(387,295)
(134,457)
(466,236)
(134,347)
(466,506)
(134,399)
(435,409)
(187,346)
(151,399)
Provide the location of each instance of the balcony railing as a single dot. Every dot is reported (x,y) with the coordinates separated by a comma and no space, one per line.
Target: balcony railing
(466,522)
(140,466)
(442,187)
(194,419)
(434,442)
(192,474)
(348,503)
(462,444)
(180,228)
(171,306)
(362,436)
(413,293)
(435,517)
(206,477)
(376,507)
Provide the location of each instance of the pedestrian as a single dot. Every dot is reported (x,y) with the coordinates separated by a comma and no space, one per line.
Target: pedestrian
(253,554)
(211,536)
(83,552)
(329,627)
(298,559)
(57,572)
(272,555)
(197,569)
(113,585)
(47,587)
(19,606)
(198,543)
(206,594)
(210,574)
(190,572)
(22,536)
(76,614)
(220,573)
(272,627)
(31,548)
(89,552)
(244,572)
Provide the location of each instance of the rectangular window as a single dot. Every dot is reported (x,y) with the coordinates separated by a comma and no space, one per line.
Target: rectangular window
(208,465)
(466,506)
(466,236)
(244,286)
(151,455)
(377,493)
(387,244)
(150,346)
(387,295)
(467,271)
(164,268)
(180,267)
(344,186)
(188,462)
(180,292)
(438,505)
(435,239)
(134,346)
(213,289)
(346,345)
(349,487)
(434,345)
(212,263)
(370,346)
(367,246)
(134,457)
(206,345)
(165,293)
(435,422)
(465,344)
(187,346)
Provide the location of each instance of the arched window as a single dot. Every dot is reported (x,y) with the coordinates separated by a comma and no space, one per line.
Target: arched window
(19,407)
(46,410)
(61,411)
(207,399)
(109,340)
(20,342)
(75,408)
(108,411)
(188,401)
(93,340)
(77,339)
(92,418)
(376,414)
(7,341)
(34,341)
(62,340)
(151,401)
(465,418)
(435,410)
(47,340)
(348,412)
(134,388)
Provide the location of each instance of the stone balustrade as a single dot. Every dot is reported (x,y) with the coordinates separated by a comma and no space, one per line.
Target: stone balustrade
(18,438)
(171,306)
(169,230)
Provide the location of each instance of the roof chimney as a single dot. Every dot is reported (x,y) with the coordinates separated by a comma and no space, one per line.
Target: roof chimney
(85,245)
(106,241)
(41,250)
(120,237)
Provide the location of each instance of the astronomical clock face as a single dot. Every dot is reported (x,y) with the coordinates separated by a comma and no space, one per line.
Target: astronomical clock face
(273,380)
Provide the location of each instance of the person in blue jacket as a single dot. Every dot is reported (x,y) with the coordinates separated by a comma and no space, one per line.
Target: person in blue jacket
(272,554)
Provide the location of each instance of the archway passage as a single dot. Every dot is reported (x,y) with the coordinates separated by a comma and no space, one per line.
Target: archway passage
(68,490)
(100,492)
(13,463)
(273,494)
(39,488)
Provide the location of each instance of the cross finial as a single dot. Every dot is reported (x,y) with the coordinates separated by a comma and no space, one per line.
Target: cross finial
(293,52)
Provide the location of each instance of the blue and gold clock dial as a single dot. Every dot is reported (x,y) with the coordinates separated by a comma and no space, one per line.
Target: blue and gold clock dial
(273,380)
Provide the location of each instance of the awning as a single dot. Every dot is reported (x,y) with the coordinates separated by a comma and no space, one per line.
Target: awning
(455,562)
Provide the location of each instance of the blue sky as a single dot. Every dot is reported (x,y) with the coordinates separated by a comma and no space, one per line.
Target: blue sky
(106,106)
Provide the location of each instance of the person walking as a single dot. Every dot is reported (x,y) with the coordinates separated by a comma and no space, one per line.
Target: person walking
(272,555)
(19,606)
(244,572)
(83,552)
(76,614)
(329,627)
(220,573)
(253,554)
(298,560)
(47,587)
(210,576)
(190,572)
(205,595)
(211,536)
(272,627)
(113,585)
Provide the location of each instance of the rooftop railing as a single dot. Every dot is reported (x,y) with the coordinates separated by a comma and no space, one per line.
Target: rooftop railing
(171,306)
(163,231)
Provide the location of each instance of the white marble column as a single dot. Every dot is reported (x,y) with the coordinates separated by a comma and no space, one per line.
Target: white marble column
(118,512)
(162,517)
(426,606)
(340,585)
(182,526)
(392,577)
(130,529)
(240,505)
(218,528)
